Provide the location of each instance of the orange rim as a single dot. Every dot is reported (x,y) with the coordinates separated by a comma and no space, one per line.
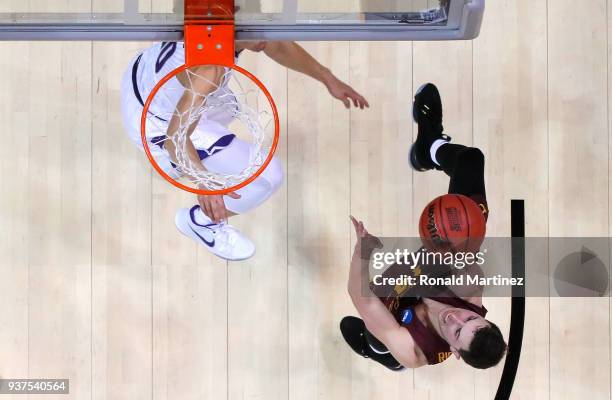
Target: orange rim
(143,136)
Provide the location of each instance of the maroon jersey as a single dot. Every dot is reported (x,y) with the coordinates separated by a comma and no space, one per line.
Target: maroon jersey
(401,304)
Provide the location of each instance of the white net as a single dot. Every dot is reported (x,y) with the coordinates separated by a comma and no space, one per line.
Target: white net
(182,120)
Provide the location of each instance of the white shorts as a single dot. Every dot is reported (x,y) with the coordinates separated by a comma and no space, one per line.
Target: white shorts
(227,159)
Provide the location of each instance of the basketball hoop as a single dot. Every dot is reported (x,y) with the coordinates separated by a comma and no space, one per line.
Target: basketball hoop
(209,41)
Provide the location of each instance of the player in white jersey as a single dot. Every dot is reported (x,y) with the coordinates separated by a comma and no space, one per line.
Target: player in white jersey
(211,143)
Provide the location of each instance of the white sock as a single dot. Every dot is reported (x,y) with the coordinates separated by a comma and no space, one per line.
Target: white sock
(434,149)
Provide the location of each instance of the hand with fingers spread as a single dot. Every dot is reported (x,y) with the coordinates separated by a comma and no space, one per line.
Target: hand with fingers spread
(366,243)
(214,208)
(294,57)
(346,94)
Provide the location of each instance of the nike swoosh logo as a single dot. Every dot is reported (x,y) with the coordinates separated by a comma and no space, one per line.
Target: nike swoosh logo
(209,244)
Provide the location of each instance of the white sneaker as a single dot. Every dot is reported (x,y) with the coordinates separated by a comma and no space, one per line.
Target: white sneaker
(222,239)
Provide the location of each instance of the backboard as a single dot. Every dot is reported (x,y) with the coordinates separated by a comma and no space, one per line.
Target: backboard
(255,19)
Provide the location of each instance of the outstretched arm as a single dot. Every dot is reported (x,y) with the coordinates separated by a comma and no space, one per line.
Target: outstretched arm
(293,56)
(376,316)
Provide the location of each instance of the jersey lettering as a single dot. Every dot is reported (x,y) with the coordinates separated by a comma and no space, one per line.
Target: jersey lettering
(443,356)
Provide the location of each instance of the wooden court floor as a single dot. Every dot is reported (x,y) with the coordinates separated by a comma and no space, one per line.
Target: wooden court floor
(98,286)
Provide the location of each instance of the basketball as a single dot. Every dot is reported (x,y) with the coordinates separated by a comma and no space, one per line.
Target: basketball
(452,223)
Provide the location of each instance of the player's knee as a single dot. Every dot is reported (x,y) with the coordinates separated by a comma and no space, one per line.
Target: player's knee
(471,158)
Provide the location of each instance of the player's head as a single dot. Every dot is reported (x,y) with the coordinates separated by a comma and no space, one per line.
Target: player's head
(479,342)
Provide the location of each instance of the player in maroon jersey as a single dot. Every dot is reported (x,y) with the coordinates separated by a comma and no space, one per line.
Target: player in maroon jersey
(402,331)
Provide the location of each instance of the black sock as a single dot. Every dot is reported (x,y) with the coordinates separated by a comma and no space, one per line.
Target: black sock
(465,166)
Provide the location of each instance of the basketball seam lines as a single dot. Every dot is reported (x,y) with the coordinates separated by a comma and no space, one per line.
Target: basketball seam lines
(468,222)
(442,222)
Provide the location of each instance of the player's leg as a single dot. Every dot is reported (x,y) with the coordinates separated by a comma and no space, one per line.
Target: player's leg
(223,153)
(427,113)
(465,167)
(433,150)
(232,159)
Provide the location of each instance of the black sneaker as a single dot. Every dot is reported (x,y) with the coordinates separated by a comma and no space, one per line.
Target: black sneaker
(354,333)
(427,113)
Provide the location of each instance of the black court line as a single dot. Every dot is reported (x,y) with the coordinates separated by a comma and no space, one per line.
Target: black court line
(517,318)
